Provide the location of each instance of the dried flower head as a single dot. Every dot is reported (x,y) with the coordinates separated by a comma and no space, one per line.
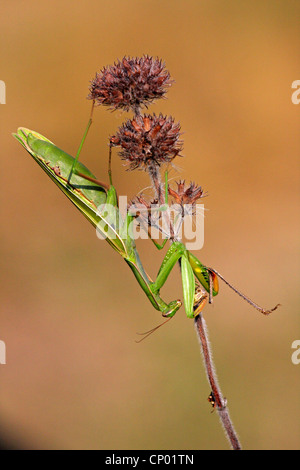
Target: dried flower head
(130,83)
(146,210)
(187,195)
(148,141)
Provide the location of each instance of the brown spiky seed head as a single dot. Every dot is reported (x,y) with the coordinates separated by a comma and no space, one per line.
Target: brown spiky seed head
(130,83)
(186,195)
(147,141)
(145,209)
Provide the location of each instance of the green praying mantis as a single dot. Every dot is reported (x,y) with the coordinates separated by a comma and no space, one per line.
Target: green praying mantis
(98,202)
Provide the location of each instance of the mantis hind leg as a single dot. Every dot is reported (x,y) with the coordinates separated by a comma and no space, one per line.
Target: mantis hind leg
(73,169)
(257,307)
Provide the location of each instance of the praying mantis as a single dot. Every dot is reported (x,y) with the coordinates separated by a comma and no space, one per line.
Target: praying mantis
(199,283)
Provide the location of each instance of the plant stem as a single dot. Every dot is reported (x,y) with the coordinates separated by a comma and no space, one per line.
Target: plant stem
(201,330)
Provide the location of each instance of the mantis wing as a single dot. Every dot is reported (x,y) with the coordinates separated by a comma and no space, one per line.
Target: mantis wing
(87,196)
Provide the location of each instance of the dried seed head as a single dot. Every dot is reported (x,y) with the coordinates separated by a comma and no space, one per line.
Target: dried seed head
(148,141)
(187,195)
(146,210)
(130,83)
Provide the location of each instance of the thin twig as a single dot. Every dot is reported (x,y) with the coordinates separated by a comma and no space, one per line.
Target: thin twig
(220,401)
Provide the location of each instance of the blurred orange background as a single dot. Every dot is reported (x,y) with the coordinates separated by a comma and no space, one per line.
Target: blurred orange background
(70,307)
